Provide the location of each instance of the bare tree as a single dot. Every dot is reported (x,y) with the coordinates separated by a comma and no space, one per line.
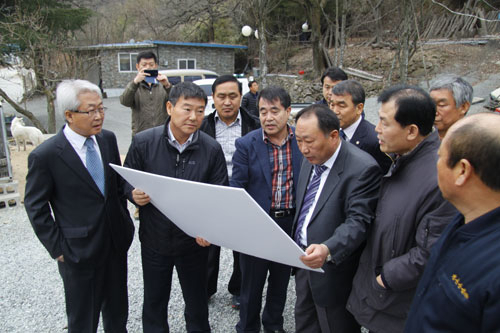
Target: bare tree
(41,49)
(259,12)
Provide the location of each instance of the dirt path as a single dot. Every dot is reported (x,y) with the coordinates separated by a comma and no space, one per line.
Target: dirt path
(20,166)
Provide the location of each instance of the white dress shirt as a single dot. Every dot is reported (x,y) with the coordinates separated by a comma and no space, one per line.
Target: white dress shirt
(329,164)
(349,131)
(77,141)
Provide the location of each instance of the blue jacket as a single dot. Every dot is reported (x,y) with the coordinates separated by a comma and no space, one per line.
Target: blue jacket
(252,168)
(460,288)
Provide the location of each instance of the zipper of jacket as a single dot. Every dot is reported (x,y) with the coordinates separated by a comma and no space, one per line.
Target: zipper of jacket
(177,162)
(176,165)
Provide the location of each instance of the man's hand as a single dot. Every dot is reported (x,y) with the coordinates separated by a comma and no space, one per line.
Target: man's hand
(202,242)
(380,282)
(60,258)
(140,197)
(163,80)
(315,255)
(140,76)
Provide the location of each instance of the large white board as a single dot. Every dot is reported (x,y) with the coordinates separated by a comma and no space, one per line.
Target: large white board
(224,216)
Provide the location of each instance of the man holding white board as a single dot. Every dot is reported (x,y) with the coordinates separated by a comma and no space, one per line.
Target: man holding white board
(179,150)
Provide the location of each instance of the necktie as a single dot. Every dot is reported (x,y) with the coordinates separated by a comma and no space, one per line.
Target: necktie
(342,135)
(94,164)
(310,194)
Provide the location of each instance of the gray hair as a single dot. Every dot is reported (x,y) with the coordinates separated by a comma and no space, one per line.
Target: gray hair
(460,89)
(68,91)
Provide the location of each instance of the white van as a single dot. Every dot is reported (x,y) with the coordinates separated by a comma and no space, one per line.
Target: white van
(206,85)
(187,75)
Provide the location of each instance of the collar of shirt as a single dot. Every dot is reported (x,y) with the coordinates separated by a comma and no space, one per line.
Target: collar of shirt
(237,120)
(288,137)
(176,143)
(349,131)
(329,163)
(76,139)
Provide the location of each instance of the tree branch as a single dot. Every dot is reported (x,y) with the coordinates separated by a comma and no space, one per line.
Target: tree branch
(463,14)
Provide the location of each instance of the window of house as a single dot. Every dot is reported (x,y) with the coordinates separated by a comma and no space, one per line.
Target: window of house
(126,62)
(186,63)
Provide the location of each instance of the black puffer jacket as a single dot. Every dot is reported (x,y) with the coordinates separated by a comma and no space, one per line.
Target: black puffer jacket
(202,161)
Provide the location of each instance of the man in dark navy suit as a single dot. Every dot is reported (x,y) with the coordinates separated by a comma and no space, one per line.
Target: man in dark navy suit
(347,101)
(78,209)
(267,164)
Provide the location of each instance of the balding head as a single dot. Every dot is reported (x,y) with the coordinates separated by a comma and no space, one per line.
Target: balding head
(477,140)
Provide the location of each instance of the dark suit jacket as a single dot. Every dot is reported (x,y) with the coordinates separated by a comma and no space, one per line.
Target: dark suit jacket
(252,168)
(341,218)
(365,138)
(83,223)
(248,123)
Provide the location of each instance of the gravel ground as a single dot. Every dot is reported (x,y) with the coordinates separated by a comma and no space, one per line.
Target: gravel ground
(32,295)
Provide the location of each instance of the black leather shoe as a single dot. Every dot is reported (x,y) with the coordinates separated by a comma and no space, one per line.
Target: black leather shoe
(235,302)
(274,331)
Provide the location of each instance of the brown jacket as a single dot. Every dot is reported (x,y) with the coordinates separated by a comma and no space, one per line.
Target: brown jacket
(148,104)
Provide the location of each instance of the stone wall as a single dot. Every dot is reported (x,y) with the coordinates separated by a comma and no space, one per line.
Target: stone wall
(219,60)
(300,89)
(110,74)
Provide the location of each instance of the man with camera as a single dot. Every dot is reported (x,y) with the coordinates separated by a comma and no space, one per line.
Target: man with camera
(147,94)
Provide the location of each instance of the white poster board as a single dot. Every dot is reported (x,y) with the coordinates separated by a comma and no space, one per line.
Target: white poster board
(222,215)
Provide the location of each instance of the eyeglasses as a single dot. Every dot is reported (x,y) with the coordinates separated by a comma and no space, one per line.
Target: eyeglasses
(92,113)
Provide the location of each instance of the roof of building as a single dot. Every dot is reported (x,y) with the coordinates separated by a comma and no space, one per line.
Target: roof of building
(153,43)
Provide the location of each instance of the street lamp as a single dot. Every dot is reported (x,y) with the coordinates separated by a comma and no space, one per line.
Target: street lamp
(247,31)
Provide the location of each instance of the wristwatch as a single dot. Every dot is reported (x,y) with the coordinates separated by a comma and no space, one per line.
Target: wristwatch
(329,256)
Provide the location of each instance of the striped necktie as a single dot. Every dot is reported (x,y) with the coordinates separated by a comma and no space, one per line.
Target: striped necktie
(343,136)
(94,164)
(309,196)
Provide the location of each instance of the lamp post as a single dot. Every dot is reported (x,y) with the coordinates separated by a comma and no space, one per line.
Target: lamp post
(261,37)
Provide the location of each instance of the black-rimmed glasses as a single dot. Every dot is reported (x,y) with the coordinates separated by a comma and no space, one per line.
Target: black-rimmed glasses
(92,113)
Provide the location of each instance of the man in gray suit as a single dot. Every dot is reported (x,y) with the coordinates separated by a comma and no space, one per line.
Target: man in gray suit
(337,194)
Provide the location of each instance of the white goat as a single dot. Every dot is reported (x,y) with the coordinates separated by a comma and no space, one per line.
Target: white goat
(22,133)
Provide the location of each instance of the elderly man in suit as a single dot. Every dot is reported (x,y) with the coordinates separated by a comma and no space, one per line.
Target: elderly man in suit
(347,101)
(77,207)
(267,165)
(336,198)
